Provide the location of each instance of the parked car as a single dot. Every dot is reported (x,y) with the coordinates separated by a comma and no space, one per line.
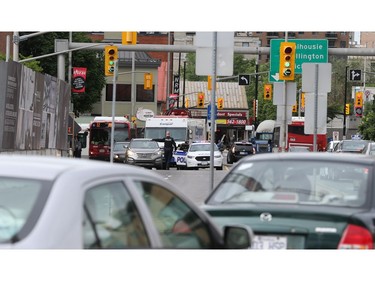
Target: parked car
(300,200)
(119,151)
(66,203)
(145,153)
(198,156)
(238,150)
(369,149)
(351,146)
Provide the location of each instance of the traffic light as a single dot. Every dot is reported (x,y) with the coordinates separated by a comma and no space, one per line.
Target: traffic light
(287,60)
(347,109)
(147,81)
(267,95)
(303,100)
(220,103)
(209,83)
(358,99)
(129,38)
(200,102)
(110,56)
(294,108)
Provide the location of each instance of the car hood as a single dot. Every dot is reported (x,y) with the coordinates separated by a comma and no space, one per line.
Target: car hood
(144,150)
(305,227)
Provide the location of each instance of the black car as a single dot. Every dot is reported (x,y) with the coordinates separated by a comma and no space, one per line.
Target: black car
(238,150)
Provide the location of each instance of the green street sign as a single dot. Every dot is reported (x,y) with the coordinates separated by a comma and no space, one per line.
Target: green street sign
(307,51)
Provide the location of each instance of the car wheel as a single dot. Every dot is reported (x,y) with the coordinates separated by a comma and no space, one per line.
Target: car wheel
(219,168)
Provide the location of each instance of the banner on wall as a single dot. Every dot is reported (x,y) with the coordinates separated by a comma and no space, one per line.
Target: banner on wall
(79,79)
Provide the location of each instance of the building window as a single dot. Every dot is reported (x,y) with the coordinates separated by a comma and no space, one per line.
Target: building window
(245,44)
(123,93)
(342,44)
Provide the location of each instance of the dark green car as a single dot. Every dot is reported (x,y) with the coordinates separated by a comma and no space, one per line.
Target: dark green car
(300,200)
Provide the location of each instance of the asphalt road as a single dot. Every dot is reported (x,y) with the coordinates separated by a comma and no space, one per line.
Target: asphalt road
(193,183)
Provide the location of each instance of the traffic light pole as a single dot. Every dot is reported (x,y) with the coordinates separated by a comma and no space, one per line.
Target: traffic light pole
(213,108)
(113,110)
(345,94)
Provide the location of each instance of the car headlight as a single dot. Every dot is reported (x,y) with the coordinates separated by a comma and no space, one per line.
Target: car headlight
(132,154)
(116,156)
(233,149)
(158,153)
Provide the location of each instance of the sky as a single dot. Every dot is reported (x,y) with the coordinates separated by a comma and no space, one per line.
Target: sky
(194,15)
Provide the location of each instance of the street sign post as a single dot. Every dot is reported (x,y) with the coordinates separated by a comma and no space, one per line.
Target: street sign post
(307,51)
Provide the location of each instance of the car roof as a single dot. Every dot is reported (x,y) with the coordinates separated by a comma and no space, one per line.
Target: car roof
(318,156)
(52,167)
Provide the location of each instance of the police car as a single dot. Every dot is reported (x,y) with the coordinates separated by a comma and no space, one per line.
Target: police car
(179,156)
(198,156)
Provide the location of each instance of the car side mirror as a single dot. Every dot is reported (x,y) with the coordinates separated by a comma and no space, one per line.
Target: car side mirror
(238,237)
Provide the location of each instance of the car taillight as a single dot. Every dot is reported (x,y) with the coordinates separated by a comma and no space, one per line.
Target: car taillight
(356,238)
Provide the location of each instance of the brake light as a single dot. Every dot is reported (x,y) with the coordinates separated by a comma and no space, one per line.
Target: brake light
(357,238)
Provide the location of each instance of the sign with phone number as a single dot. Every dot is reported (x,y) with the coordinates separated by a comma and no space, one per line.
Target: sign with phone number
(237,121)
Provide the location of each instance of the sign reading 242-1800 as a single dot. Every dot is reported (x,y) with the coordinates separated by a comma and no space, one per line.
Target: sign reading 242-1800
(307,51)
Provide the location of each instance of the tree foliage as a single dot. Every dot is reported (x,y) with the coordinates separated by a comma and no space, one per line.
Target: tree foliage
(92,60)
(367,126)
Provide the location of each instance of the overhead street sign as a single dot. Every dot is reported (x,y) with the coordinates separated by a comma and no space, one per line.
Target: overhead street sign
(355,75)
(307,51)
(244,79)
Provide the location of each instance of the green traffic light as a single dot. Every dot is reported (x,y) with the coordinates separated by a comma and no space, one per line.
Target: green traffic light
(287,64)
(111,62)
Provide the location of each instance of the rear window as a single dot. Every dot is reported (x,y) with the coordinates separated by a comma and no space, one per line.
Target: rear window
(244,147)
(296,182)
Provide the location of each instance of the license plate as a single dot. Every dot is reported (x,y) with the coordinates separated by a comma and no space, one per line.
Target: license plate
(269,242)
(204,163)
(101,150)
(243,152)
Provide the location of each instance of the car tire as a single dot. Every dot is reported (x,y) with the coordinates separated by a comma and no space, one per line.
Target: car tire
(219,168)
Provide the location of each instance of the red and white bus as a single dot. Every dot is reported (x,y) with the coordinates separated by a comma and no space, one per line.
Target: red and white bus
(298,139)
(100,135)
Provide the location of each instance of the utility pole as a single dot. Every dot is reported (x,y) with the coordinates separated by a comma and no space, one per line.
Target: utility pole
(345,94)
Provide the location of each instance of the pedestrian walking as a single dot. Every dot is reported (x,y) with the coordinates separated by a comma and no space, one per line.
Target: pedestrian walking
(169,147)
(77,148)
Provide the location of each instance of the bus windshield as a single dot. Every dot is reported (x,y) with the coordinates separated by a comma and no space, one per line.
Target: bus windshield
(179,134)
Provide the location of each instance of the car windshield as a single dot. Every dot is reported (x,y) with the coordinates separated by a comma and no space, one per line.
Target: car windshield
(21,201)
(202,147)
(144,144)
(354,145)
(295,182)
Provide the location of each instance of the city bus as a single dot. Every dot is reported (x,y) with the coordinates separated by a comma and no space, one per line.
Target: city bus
(297,137)
(100,135)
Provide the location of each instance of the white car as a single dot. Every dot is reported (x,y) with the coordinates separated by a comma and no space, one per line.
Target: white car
(198,156)
(69,203)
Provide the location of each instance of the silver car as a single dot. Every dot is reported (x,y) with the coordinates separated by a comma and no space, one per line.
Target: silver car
(145,153)
(66,203)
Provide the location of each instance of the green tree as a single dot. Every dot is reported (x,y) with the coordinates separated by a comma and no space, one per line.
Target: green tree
(367,126)
(92,60)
